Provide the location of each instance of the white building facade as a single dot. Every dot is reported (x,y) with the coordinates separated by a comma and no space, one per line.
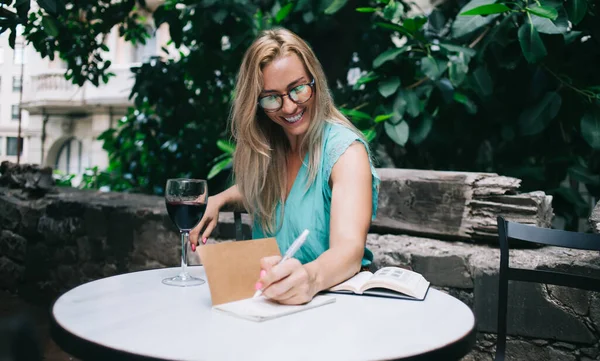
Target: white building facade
(60,122)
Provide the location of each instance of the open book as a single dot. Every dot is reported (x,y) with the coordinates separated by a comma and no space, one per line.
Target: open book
(387,282)
(262,309)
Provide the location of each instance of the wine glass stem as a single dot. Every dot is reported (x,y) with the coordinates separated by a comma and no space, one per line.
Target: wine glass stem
(185,235)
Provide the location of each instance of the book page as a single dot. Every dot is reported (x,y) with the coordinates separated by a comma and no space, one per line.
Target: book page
(400,280)
(353,284)
(262,309)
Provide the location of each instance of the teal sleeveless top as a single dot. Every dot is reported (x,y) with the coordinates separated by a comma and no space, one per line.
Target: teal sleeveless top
(309,208)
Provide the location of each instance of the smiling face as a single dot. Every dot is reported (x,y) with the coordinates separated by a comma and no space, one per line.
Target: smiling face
(282,76)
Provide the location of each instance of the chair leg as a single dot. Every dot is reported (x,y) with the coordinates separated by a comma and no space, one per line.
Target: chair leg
(237,218)
(502,310)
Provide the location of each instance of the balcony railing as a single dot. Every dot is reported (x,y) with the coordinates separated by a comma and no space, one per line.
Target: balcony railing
(51,92)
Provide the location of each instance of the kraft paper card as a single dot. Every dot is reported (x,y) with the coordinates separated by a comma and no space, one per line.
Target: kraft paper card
(232,268)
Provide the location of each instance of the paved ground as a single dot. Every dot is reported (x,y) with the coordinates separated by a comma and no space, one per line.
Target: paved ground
(12,305)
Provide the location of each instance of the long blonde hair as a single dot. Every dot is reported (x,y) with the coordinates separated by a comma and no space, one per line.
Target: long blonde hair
(259,161)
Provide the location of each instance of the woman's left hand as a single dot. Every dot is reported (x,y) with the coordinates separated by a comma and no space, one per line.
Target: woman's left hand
(288,283)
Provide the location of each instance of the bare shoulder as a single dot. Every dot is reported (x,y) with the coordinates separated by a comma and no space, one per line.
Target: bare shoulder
(353,163)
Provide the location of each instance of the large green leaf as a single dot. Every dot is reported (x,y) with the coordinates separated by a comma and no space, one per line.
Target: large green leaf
(370,134)
(388,55)
(414,24)
(576,10)
(560,25)
(49,26)
(395,27)
(226,146)
(283,12)
(543,11)
(535,119)
(583,175)
(219,167)
(482,81)
(398,133)
(457,49)
(355,114)
(458,70)
(590,128)
(422,130)
(388,86)
(433,67)
(486,10)
(335,6)
(413,106)
(383,117)
(399,107)
(468,103)
(464,25)
(531,43)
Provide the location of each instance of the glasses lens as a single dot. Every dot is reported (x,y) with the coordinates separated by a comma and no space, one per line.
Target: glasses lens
(270,102)
(301,93)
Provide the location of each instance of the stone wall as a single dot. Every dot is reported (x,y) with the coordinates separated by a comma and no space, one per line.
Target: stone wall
(545,322)
(69,237)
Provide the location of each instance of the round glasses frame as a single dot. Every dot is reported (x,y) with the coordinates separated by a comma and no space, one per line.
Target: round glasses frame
(312,92)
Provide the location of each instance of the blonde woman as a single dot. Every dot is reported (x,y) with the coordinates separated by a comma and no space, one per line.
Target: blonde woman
(299,164)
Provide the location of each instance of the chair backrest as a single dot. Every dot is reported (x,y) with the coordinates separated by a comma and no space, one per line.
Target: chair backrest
(515,231)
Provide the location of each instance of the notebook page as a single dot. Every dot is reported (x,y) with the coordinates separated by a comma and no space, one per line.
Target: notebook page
(261,309)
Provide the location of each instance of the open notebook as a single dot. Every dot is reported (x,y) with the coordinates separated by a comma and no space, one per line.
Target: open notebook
(262,309)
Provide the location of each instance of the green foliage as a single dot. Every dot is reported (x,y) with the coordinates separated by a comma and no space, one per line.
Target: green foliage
(506,87)
(481,85)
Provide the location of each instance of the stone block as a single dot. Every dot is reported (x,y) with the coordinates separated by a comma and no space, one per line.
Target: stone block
(10,217)
(12,245)
(518,350)
(58,231)
(595,311)
(157,240)
(530,312)
(443,270)
(11,274)
(576,299)
(94,221)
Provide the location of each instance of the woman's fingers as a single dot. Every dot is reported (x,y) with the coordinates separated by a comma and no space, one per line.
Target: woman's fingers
(276,275)
(194,234)
(267,263)
(209,228)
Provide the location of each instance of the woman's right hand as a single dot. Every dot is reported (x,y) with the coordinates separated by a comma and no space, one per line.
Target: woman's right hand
(207,223)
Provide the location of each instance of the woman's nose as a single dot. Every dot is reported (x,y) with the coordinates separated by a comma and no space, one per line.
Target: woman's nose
(289,107)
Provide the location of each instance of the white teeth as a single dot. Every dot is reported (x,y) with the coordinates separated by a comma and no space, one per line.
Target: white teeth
(296,118)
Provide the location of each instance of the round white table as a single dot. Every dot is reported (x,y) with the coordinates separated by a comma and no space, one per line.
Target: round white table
(135,317)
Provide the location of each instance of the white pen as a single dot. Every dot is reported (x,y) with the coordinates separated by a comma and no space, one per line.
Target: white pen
(290,253)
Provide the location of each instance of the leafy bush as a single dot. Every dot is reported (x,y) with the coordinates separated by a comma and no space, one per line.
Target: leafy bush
(511,88)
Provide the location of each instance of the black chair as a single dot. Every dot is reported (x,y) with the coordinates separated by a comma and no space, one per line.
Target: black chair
(237,219)
(19,339)
(552,237)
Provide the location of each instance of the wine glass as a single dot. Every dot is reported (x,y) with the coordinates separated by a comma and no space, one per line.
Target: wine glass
(186,203)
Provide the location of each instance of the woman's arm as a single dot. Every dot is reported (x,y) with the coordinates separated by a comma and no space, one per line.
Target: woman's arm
(351,210)
(210,219)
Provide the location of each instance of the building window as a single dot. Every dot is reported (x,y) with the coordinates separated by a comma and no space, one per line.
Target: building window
(143,52)
(19,55)
(12,145)
(17,83)
(70,158)
(14,112)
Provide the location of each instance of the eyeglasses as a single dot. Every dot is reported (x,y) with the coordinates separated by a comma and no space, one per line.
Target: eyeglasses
(299,95)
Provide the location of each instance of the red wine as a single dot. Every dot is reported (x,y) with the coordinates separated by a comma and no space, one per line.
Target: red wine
(185,215)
